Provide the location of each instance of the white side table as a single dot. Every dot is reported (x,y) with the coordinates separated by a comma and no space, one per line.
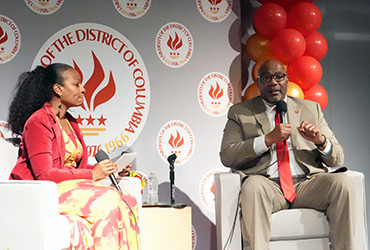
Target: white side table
(166,228)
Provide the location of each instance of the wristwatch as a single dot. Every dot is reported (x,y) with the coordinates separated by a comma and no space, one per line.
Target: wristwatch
(321,144)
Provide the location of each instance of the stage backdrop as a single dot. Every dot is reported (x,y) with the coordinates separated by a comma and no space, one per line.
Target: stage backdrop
(161,74)
(159,79)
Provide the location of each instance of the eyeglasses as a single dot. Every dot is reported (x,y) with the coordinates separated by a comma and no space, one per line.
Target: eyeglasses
(265,78)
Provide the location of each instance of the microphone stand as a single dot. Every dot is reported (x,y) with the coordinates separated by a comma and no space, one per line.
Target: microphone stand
(171,159)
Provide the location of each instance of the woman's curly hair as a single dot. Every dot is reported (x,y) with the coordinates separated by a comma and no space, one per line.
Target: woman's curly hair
(33,89)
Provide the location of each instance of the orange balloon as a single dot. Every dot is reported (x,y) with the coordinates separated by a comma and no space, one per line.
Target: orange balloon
(255,69)
(258,47)
(294,90)
(251,91)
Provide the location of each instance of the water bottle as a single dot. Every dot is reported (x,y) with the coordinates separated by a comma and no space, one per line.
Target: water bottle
(153,189)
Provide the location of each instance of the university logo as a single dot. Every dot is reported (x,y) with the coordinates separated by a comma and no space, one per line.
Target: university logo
(4,131)
(176,137)
(214,10)
(193,238)
(207,189)
(44,7)
(117,88)
(132,8)
(174,45)
(215,94)
(10,39)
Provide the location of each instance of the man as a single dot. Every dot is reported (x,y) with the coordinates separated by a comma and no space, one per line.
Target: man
(285,166)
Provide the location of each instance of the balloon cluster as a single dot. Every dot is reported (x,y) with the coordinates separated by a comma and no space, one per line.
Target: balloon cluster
(286,30)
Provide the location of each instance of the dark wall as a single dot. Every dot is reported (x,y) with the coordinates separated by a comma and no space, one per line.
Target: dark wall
(346,74)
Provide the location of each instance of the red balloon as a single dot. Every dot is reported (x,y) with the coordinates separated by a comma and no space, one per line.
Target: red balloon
(288,4)
(288,45)
(306,71)
(258,47)
(317,94)
(316,46)
(269,19)
(266,1)
(304,17)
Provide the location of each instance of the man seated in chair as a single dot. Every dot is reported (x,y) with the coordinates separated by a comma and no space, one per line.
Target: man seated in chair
(284,162)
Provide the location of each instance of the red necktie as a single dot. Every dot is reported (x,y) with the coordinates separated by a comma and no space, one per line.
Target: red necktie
(285,175)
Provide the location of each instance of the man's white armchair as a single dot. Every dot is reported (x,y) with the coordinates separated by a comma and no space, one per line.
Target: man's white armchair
(308,229)
(29,217)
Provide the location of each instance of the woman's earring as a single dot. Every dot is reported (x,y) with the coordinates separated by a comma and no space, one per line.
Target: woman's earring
(60,104)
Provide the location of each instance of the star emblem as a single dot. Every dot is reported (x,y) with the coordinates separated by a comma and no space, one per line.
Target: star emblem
(90,120)
(102,120)
(79,119)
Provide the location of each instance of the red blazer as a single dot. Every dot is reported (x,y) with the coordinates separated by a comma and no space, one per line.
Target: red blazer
(43,150)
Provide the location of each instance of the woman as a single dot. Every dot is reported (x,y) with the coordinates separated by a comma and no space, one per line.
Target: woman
(52,148)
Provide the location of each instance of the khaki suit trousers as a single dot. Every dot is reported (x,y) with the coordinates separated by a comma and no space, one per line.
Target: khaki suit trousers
(330,193)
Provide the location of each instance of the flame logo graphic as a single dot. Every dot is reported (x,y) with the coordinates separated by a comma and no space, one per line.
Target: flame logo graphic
(176,142)
(216,93)
(213,189)
(3,38)
(214,2)
(93,83)
(174,44)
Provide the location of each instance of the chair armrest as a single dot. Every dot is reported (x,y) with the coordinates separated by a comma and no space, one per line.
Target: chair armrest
(358,181)
(29,216)
(227,187)
(132,185)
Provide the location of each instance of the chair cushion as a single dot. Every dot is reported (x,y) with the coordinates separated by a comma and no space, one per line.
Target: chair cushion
(307,244)
(30,218)
(298,224)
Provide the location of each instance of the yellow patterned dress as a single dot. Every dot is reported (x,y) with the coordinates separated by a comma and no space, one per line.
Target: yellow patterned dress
(100,218)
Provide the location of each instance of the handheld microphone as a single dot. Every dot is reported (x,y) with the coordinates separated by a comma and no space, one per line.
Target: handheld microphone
(281,109)
(100,156)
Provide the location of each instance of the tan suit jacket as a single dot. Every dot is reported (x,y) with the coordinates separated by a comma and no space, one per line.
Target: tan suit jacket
(248,119)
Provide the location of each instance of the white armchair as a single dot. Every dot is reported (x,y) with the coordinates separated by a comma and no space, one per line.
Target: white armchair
(29,217)
(309,229)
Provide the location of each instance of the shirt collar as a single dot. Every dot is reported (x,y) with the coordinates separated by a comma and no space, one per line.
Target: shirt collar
(270,107)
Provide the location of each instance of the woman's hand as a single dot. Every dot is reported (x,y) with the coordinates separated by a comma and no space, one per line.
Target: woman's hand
(103,169)
(126,171)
